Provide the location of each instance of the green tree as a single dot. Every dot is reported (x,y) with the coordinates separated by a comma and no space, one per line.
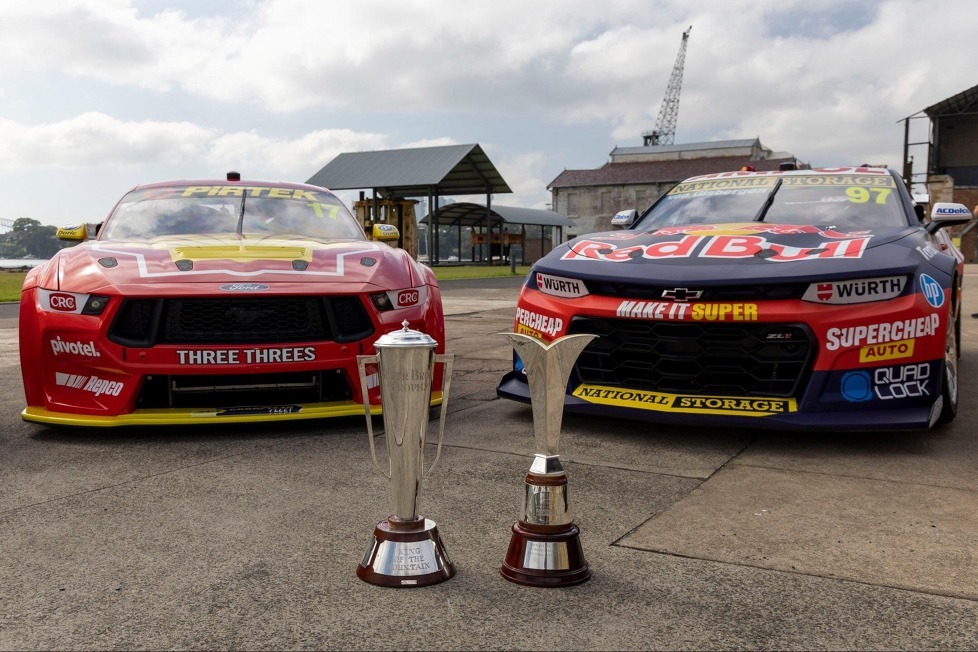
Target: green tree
(28,237)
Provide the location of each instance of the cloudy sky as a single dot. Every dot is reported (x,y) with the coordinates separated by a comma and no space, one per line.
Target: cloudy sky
(99,95)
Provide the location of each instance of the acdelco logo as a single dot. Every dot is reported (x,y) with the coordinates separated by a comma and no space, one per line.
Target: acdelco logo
(408,298)
(62,302)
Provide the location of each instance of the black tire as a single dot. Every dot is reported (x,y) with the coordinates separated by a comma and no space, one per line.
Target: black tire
(949,375)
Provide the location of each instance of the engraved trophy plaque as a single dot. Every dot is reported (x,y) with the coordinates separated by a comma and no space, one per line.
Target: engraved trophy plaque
(406,549)
(545,549)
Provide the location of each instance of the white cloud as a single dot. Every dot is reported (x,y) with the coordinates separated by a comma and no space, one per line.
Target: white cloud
(278,87)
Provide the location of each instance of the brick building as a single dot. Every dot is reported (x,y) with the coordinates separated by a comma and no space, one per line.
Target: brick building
(950,154)
(637,176)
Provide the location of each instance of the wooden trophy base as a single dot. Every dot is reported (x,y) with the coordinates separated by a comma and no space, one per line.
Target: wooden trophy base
(405,554)
(547,556)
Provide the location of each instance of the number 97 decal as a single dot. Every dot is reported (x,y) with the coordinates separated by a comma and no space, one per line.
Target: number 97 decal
(860,195)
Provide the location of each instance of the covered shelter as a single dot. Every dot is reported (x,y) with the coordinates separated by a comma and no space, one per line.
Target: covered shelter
(396,174)
(495,230)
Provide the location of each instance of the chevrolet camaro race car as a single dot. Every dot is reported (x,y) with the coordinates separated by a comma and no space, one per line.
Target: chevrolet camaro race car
(804,300)
(217,301)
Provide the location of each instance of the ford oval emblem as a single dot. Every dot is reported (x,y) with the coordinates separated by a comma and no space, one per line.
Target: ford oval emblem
(244,287)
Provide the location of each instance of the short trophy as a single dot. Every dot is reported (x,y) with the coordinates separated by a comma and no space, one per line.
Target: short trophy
(406,550)
(545,549)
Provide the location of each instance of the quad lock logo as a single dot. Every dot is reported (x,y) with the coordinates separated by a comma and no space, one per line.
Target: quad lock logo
(886,383)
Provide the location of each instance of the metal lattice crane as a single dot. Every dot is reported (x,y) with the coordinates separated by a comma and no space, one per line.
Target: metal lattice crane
(664,131)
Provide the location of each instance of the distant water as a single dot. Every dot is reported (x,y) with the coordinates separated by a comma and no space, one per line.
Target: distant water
(20,263)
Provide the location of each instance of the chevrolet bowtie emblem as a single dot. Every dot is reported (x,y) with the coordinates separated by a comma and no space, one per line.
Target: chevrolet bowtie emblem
(681,295)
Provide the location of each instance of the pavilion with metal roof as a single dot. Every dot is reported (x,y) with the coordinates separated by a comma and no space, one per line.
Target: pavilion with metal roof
(501,222)
(431,172)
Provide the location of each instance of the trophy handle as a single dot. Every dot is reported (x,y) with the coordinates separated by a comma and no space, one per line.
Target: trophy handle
(362,361)
(448,359)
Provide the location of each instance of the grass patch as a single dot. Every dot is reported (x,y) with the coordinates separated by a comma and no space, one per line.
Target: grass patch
(10,284)
(452,273)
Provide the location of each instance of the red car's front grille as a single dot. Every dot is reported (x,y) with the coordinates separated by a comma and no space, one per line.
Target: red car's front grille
(251,320)
(691,358)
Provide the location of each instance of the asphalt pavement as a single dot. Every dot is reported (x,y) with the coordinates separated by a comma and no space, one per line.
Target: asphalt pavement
(249,537)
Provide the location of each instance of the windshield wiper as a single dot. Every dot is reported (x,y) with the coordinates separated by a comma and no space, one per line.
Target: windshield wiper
(767,202)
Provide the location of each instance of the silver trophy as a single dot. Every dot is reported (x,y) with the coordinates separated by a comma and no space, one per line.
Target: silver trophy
(545,549)
(406,549)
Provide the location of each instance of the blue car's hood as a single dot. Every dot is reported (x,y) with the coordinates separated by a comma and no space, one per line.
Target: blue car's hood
(734,254)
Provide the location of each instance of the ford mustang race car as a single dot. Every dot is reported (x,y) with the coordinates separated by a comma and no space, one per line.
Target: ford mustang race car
(804,299)
(217,302)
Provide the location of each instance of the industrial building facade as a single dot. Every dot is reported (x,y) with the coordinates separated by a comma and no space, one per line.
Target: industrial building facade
(637,176)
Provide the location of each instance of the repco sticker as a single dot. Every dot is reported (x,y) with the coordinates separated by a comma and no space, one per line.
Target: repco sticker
(93,384)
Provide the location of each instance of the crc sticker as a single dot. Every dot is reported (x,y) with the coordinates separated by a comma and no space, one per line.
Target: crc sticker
(93,384)
(83,349)
(860,291)
(854,336)
(409,297)
(932,290)
(662,402)
(559,286)
(66,302)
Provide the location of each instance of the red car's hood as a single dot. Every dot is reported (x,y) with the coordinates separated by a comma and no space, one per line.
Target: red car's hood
(129,265)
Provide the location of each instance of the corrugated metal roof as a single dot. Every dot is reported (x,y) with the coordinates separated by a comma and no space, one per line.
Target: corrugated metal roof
(686,147)
(617,174)
(447,170)
(469,214)
(963,102)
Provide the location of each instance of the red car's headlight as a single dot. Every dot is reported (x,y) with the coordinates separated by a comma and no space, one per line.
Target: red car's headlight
(394,299)
(72,303)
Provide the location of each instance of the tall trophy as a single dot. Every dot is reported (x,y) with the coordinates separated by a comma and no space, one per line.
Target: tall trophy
(406,550)
(545,549)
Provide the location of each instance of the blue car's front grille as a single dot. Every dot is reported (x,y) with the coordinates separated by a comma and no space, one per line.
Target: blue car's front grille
(693,358)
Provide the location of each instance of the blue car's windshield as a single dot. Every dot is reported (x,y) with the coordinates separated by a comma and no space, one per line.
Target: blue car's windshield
(850,201)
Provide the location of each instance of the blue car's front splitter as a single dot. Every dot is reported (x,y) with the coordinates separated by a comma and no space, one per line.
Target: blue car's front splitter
(513,386)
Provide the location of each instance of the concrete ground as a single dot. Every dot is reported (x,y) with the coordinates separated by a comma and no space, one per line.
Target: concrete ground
(249,537)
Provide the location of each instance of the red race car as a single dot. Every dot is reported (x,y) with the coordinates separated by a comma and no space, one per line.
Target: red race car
(217,301)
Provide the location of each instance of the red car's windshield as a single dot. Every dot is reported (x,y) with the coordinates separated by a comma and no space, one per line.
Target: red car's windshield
(232,209)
